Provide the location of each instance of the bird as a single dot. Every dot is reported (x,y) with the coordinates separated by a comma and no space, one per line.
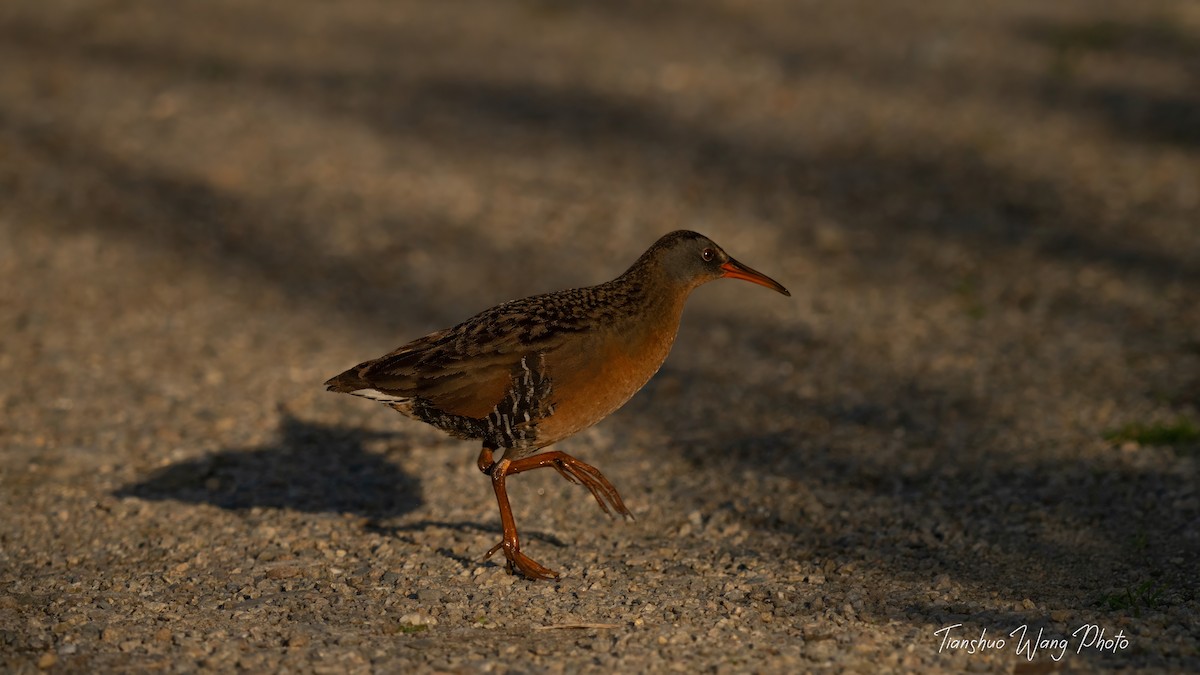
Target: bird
(528,373)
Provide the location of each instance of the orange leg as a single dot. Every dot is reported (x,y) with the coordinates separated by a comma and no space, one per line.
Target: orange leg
(579,473)
(572,469)
(522,563)
(485,461)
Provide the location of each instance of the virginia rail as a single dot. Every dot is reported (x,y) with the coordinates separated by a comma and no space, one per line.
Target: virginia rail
(528,373)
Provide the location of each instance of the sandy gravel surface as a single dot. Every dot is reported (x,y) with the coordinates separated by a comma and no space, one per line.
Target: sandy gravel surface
(988,214)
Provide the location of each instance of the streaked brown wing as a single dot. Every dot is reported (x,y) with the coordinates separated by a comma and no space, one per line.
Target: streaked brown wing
(454,370)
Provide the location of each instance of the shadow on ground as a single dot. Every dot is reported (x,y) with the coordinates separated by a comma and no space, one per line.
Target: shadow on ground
(1138,111)
(927,500)
(313,468)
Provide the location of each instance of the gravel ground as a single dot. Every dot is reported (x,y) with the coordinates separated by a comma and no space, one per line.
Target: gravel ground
(987,214)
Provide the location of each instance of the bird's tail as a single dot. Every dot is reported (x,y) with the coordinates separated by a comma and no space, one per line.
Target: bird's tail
(347,382)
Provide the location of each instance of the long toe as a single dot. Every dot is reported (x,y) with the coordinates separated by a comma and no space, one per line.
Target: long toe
(530,568)
(492,551)
(590,477)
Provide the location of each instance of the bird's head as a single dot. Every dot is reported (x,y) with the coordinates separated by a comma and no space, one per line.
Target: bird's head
(690,259)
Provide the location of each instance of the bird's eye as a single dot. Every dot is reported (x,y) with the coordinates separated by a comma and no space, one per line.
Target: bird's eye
(708,254)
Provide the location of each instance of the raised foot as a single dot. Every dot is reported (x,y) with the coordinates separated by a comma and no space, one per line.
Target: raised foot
(528,567)
(579,473)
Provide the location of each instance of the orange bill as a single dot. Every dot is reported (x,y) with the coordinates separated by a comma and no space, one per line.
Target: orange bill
(736,270)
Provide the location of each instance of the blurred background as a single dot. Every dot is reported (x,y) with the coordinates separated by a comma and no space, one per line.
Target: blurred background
(988,214)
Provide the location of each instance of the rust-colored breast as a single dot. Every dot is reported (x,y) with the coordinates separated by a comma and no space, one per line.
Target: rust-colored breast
(595,376)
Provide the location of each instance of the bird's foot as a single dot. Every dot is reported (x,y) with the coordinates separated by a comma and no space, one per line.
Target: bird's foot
(528,567)
(590,477)
(579,473)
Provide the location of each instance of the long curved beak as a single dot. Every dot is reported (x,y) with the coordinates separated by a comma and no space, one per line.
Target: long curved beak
(736,270)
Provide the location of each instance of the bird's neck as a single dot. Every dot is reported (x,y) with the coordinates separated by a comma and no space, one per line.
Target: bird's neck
(656,298)
(649,275)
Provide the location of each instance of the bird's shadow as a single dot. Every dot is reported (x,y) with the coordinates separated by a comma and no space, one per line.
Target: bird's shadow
(312,468)
(458,526)
(401,532)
